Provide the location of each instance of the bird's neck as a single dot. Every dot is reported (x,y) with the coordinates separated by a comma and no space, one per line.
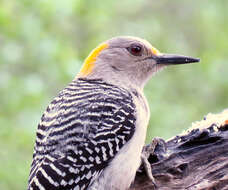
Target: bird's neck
(119,80)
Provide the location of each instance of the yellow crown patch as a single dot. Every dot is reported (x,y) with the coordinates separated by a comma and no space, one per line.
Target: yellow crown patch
(88,65)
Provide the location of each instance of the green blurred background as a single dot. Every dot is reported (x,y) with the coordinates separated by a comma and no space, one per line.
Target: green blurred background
(43,44)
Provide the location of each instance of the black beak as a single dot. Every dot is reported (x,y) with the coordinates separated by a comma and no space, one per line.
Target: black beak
(169,59)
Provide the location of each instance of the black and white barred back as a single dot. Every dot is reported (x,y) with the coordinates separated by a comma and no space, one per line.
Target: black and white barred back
(80,133)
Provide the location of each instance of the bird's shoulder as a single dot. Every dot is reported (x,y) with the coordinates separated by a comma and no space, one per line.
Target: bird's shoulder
(85,99)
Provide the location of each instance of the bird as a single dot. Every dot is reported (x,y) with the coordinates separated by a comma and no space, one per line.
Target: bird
(92,134)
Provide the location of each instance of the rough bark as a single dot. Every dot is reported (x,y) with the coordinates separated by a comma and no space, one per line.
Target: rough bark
(194,160)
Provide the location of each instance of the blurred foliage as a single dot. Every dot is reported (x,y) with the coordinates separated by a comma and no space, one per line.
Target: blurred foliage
(43,44)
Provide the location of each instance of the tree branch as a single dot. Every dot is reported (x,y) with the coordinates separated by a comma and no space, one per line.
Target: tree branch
(194,160)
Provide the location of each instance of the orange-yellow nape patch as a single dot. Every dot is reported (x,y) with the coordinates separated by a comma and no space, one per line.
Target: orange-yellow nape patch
(226,122)
(88,65)
(155,51)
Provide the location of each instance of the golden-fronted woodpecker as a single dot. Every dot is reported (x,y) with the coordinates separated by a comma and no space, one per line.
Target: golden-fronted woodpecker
(92,134)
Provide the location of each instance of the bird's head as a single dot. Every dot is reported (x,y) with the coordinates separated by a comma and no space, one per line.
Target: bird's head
(128,61)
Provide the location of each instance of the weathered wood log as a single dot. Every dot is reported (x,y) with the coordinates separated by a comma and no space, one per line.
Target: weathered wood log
(194,160)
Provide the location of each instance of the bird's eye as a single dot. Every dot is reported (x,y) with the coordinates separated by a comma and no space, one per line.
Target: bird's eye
(135,49)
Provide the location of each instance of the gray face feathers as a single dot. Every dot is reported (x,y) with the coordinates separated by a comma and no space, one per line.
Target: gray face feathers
(127,60)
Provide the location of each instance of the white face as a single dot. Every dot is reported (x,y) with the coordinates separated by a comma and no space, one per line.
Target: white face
(130,60)
(129,57)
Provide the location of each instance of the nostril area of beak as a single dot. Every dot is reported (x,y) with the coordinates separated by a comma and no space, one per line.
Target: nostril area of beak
(155,51)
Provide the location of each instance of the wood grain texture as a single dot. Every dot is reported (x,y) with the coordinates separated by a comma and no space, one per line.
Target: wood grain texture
(194,160)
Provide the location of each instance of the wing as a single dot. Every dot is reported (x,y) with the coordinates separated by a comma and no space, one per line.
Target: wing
(81,131)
